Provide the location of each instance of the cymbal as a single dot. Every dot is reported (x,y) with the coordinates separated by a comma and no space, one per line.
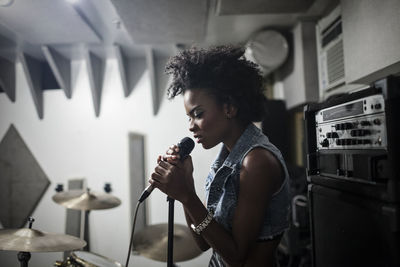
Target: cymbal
(31,240)
(86,200)
(152,243)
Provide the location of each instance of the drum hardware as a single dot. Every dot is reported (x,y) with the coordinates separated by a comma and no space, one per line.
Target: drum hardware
(107,188)
(59,188)
(152,241)
(28,240)
(86,200)
(87,259)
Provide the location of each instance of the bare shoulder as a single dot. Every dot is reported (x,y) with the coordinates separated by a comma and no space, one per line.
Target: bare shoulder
(261,156)
(261,166)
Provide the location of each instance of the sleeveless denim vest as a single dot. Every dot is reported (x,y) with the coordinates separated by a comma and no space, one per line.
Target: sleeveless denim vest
(222,186)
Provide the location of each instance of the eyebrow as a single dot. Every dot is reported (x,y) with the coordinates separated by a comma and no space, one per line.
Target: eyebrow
(193,110)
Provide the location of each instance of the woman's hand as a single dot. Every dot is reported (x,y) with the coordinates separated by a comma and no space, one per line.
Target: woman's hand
(173,176)
(172,155)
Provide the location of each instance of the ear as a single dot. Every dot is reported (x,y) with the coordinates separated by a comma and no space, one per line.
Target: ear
(230,110)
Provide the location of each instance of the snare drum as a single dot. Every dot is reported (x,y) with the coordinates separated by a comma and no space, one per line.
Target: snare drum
(89,259)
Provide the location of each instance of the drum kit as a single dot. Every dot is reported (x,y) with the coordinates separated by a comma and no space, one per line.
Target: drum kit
(151,242)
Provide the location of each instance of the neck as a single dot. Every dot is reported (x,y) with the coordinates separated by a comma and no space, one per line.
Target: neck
(235,132)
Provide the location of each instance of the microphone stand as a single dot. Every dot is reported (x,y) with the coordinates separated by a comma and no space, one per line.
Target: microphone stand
(170,261)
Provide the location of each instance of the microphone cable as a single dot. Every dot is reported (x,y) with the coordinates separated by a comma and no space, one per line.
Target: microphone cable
(133,231)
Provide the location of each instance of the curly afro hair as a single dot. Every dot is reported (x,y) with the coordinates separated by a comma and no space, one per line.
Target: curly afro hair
(225,73)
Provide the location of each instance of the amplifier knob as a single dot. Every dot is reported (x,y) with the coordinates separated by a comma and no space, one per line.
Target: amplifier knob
(348,125)
(377,122)
(378,106)
(332,135)
(340,126)
(366,132)
(325,143)
(366,141)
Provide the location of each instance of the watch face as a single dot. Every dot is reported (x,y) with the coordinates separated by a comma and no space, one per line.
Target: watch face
(194,229)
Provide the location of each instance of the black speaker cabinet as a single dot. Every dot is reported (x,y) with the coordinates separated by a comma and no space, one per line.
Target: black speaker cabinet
(351,230)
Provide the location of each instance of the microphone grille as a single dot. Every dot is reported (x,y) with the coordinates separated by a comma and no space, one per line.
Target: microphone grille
(186,146)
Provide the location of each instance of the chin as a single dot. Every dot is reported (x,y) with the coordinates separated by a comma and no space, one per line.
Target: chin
(205,146)
(208,145)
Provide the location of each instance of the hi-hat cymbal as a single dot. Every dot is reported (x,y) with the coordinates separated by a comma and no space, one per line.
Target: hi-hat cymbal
(86,200)
(152,242)
(31,240)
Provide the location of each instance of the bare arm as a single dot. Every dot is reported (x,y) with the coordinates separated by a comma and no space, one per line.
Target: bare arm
(201,243)
(172,157)
(260,176)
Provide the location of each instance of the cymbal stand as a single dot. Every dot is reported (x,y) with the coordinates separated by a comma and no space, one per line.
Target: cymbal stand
(83,224)
(84,228)
(24,256)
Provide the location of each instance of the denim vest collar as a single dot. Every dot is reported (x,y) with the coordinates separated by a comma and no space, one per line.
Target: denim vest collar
(230,160)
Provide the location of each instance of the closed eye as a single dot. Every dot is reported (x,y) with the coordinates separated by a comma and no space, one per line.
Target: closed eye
(195,113)
(198,114)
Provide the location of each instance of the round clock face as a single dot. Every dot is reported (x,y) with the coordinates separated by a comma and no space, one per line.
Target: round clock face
(269,49)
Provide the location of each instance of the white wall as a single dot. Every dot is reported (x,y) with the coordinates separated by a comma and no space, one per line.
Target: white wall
(301,85)
(371,38)
(70,142)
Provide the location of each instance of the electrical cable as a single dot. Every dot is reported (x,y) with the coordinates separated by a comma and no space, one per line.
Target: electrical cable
(186,146)
(133,231)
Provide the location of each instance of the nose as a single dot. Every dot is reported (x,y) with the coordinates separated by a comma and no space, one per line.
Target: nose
(192,125)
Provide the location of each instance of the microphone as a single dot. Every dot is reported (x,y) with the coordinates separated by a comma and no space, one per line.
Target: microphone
(186,146)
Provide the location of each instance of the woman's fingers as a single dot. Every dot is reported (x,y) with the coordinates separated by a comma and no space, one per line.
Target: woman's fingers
(173,150)
(155,183)
(163,170)
(160,178)
(171,158)
(168,177)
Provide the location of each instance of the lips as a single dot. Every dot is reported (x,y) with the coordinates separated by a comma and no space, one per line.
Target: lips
(198,138)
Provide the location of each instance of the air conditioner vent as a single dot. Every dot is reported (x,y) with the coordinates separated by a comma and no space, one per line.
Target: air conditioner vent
(330,52)
(335,62)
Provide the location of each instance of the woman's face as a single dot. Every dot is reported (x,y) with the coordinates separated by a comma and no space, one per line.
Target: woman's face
(207,119)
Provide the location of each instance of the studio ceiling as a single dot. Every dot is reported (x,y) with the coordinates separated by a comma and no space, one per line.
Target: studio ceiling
(133,24)
(46,35)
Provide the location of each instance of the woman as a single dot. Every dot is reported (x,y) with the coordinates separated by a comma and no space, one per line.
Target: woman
(247,204)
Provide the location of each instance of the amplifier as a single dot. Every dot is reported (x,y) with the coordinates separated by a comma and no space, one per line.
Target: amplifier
(352,141)
(358,124)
